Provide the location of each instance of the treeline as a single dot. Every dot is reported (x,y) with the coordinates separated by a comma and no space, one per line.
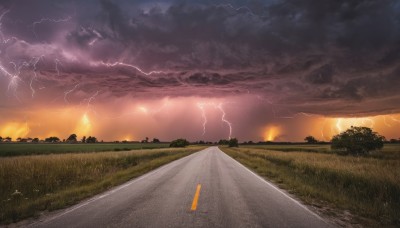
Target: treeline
(53,139)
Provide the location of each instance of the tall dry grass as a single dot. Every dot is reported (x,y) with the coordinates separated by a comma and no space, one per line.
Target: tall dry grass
(368,186)
(29,184)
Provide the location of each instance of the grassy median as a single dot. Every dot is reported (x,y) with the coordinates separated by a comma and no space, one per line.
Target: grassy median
(30,184)
(369,187)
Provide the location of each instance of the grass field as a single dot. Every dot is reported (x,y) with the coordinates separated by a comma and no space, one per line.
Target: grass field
(29,184)
(18,149)
(369,186)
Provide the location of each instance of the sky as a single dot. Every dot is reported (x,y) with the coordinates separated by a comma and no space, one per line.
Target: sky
(273,70)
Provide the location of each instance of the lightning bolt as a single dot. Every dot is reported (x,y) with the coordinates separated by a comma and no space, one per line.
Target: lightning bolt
(394,119)
(35,61)
(70,91)
(1,33)
(90,99)
(127,65)
(236,9)
(203,115)
(15,79)
(56,61)
(225,120)
(48,20)
(338,124)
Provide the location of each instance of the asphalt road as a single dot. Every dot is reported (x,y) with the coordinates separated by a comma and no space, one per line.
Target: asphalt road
(205,189)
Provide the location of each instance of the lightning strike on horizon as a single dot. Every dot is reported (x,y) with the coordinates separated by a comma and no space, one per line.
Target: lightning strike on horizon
(225,120)
(127,65)
(49,20)
(203,115)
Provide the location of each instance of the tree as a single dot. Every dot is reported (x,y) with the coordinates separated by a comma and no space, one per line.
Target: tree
(233,142)
(72,138)
(1,139)
(52,139)
(357,141)
(35,140)
(310,139)
(83,140)
(155,140)
(179,143)
(146,140)
(223,142)
(91,139)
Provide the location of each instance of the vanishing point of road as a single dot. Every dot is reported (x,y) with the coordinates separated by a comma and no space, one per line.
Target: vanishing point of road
(205,189)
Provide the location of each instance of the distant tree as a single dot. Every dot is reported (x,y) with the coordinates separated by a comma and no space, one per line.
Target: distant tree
(393,141)
(155,140)
(83,140)
(310,139)
(179,143)
(1,139)
(52,139)
(7,139)
(233,142)
(91,139)
(223,142)
(72,138)
(146,140)
(357,141)
(35,140)
(19,139)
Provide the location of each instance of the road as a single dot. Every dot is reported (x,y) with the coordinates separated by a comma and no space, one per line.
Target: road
(205,189)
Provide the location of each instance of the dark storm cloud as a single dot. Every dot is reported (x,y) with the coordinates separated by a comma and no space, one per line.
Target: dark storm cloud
(299,53)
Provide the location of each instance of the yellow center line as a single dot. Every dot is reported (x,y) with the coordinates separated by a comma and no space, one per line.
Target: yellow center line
(196,198)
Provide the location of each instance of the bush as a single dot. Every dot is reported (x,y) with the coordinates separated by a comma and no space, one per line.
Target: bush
(233,142)
(179,143)
(357,141)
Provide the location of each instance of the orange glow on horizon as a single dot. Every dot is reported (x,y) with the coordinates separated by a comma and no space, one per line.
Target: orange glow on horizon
(15,130)
(84,126)
(271,133)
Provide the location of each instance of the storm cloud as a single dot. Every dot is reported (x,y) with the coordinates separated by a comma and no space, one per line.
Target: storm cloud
(332,57)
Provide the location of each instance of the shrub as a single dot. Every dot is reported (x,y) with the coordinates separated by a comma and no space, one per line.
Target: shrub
(179,143)
(233,142)
(357,141)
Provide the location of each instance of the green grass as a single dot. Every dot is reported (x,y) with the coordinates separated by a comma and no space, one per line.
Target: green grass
(18,149)
(368,186)
(30,184)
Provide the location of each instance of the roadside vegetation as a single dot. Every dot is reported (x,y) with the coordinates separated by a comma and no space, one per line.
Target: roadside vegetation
(18,149)
(368,186)
(30,184)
